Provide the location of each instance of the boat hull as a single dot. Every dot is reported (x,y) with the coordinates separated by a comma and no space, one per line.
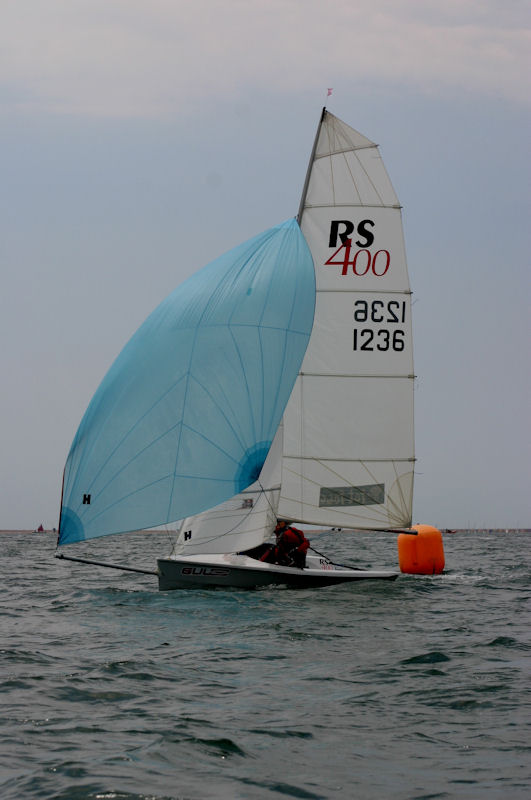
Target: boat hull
(240,571)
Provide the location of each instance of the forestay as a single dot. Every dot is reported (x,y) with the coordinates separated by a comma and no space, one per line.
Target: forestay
(185,417)
(348,427)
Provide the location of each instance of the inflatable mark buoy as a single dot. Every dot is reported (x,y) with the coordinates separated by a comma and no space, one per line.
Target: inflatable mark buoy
(422,554)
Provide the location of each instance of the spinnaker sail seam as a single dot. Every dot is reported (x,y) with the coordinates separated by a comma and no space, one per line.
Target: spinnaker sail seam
(130,431)
(243,265)
(184,376)
(140,453)
(244,373)
(140,489)
(155,441)
(121,499)
(126,465)
(274,408)
(239,436)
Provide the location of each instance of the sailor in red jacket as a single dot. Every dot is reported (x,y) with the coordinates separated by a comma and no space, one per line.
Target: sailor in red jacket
(291,547)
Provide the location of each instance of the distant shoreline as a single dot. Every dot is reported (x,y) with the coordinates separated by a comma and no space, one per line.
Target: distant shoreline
(343,530)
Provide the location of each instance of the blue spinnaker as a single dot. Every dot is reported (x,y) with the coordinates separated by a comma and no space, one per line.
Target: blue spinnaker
(186,415)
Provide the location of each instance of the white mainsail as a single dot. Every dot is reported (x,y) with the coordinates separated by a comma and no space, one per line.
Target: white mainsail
(348,427)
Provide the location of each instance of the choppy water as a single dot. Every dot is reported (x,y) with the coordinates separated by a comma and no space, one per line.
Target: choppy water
(417,689)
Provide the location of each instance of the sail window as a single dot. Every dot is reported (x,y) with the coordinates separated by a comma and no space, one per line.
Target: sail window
(371,495)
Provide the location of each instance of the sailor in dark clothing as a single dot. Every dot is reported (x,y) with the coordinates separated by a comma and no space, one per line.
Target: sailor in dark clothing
(291,546)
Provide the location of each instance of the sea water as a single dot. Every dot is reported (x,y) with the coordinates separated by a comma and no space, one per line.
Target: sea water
(112,690)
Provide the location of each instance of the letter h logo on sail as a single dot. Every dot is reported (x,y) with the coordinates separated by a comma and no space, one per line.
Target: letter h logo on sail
(187,535)
(86,499)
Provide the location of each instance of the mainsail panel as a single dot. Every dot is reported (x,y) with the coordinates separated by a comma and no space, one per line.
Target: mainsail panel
(348,427)
(348,418)
(185,417)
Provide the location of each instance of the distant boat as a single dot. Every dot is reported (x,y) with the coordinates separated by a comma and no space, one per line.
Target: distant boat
(275,382)
(40,529)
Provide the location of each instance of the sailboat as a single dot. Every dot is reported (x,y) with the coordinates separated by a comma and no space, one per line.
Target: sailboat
(277,382)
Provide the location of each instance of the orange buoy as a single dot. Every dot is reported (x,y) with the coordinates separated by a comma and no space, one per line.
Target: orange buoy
(422,554)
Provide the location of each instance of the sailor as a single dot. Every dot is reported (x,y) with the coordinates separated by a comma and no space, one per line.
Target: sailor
(290,548)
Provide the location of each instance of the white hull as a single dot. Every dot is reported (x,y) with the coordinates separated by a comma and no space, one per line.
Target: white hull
(236,570)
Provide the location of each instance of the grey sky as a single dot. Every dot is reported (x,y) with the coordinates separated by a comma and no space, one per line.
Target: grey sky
(139,141)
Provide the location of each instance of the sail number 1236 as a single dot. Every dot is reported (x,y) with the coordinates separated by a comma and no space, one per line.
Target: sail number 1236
(389,313)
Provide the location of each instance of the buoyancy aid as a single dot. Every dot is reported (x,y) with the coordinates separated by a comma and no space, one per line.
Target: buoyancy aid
(291,548)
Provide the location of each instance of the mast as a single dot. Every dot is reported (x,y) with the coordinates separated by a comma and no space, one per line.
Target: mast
(310,165)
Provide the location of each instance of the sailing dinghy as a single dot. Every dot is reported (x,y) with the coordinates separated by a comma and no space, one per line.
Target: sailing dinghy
(275,382)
